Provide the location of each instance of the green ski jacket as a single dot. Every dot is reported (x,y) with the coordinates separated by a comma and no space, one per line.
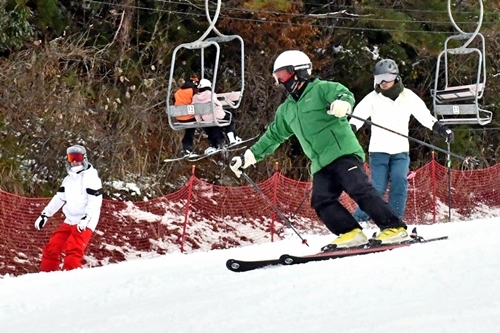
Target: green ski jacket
(323,137)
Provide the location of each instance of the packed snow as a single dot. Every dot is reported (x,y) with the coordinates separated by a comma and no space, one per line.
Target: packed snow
(445,286)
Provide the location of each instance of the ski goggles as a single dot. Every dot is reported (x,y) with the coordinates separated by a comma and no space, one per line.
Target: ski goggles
(387,77)
(75,157)
(283,74)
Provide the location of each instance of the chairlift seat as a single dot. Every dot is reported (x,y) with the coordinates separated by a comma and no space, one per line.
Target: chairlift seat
(196,109)
(459,93)
(465,121)
(190,109)
(463,114)
(203,123)
(455,110)
(229,98)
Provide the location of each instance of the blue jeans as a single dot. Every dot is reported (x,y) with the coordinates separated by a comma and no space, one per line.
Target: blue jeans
(384,168)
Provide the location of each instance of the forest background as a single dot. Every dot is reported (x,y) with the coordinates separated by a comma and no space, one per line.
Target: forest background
(96,72)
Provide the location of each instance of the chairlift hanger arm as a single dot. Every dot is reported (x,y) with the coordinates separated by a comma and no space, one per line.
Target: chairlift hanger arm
(211,20)
(478,27)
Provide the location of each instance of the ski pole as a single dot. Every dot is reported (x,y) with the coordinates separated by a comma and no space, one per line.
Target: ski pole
(280,214)
(467,159)
(448,166)
(292,217)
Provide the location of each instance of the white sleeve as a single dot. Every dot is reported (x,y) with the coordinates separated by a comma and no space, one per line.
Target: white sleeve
(93,188)
(56,203)
(422,113)
(363,110)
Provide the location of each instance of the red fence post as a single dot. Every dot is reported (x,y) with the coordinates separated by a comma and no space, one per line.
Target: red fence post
(188,204)
(275,199)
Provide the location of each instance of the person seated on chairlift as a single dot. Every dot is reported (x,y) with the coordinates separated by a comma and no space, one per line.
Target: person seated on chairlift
(215,134)
(184,96)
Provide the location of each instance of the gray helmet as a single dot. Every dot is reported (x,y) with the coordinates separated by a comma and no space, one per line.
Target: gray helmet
(386,66)
(77,149)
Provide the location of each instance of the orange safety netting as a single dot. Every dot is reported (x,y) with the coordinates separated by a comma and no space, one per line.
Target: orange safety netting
(201,216)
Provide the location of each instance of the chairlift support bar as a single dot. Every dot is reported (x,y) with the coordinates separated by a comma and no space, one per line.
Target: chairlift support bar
(231,100)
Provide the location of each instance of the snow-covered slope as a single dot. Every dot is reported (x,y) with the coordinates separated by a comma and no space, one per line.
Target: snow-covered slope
(448,286)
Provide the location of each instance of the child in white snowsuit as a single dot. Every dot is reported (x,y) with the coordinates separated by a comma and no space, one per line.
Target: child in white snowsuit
(80,197)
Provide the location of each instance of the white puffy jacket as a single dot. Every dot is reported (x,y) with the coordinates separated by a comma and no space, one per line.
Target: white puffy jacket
(80,193)
(394,115)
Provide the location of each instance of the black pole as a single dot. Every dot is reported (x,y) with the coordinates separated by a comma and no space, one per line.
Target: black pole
(292,217)
(448,165)
(280,214)
(448,153)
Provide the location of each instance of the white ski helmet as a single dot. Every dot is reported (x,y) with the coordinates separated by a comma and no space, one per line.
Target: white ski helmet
(293,61)
(204,83)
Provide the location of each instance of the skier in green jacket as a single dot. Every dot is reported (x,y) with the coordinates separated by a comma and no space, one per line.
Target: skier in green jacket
(336,155)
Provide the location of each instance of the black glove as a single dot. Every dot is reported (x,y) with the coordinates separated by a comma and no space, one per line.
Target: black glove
(443,131)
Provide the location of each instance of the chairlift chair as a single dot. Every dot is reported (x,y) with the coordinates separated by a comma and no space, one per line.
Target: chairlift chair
(459,104)
(229,100)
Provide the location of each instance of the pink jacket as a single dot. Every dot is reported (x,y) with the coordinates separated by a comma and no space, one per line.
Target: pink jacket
(205,97)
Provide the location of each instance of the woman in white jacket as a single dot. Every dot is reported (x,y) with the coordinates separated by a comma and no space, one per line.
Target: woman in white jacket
(390,105)
(80,197)
(215,134)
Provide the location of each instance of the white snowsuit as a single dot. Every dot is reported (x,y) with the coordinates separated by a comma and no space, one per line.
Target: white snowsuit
(80,193)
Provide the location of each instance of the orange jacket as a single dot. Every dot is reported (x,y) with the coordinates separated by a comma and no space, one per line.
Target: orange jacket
(184,96)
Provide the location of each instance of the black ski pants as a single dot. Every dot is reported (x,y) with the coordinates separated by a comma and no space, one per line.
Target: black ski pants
(216,134)
(347,174)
